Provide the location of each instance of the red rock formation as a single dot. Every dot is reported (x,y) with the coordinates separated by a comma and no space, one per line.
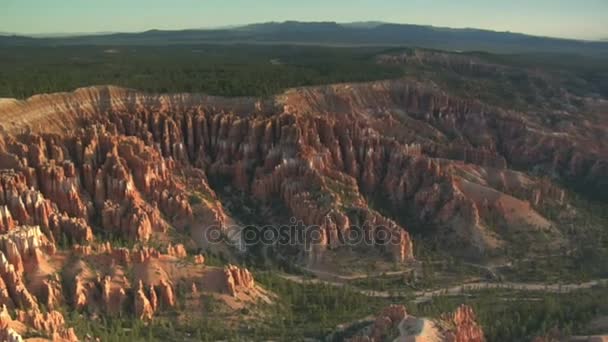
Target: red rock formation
(61,184)
(130,220)
(321,166)
(166,294)
(31,208)
(6,219)
(22,243)
(82,250)
(51,323)
(143,308)
(153,298)
(52,293)
(237,279)
(466,328)
(178,251)
(6,331)
(144,254)
(112,297)
(80,295)
(104,175)
(130,165)
(460,326)
(75,228)
(121,256)
(199,259)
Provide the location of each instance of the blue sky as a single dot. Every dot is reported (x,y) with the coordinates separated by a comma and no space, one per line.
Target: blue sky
(586,19)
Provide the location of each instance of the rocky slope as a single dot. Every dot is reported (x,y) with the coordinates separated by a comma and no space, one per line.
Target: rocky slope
(326,153)
(357,165)
(459,326)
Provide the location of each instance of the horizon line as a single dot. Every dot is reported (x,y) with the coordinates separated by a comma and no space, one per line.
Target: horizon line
(236,26)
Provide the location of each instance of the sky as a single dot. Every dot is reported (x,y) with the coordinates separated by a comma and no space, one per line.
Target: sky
(581,19)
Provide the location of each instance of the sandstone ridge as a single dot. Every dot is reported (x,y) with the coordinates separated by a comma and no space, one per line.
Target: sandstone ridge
(375,160)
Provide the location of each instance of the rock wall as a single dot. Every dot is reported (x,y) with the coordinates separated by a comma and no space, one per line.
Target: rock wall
(459,326)
(446,126)
(237,279)
(370,159)
(465,327)
(92,174)
(327,156)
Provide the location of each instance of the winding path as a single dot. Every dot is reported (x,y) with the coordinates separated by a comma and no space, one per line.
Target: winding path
(423,296)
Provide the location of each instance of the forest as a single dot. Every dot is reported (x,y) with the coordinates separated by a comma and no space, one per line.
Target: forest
(226,70)
(315,310)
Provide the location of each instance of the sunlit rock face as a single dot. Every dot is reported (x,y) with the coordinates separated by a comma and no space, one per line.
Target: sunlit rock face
(375,160)
(423,157)
(458,326)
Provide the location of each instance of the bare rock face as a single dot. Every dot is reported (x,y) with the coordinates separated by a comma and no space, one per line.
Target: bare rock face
(113,297)
(142,255)
(460,326)
(81,293)
(6,219)
(110,292)
(52,292)
(212,142)
(237,279)
(328,154)
(51,323)
(10,335)
(91,173)
(166,294)
(31,208)
(465,326)
(24,248)
(527,138)
(371,160)
(24,243)
(7,333)
(61,184)
(129,220)
(178,251)
(144,309)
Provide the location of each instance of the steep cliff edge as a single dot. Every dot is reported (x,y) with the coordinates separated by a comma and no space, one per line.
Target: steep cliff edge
(564,142)
(329,153)
(359,166)
(61,112)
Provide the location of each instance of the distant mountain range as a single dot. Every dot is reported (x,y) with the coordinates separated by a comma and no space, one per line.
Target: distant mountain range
(331,33)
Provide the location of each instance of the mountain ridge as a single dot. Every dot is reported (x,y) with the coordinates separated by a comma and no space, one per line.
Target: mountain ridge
(333,33)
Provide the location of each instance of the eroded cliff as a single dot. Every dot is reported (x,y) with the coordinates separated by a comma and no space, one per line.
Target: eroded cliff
(361,166)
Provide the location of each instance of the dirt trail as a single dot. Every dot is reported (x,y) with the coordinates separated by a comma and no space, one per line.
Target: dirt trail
(342,278)
(423,296)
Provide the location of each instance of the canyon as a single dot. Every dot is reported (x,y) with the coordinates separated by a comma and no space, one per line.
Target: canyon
(94,185)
